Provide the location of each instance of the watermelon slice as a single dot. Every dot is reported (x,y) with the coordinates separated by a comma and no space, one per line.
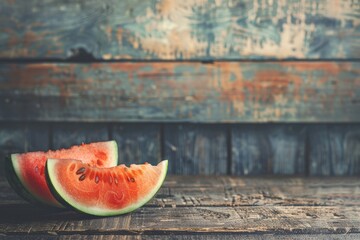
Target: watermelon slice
(26,172)
(104,191)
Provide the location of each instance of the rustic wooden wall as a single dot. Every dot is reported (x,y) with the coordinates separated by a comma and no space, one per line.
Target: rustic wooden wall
(181,91)
(206,149)
(237,87)
(189,29)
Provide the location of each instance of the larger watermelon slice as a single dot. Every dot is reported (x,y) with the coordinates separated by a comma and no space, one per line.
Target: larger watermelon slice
(26,171)
(104,191)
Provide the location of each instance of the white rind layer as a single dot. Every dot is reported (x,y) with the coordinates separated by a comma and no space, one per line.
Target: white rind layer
(114,152)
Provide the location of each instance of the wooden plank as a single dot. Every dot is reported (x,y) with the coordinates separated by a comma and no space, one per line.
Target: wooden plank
(38,137)
(21,137)
(68,134)
(227,236)
(226,192)
(334,150)
(182,92)
(196,29)
(268,149)
(146,221)
(138,143)
(189,236)
(196,149)
(250,150)
(338,216)
(12,139)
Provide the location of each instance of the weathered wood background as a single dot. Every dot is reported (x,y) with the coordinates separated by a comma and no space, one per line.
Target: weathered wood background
(193,207)
(237,87)
(207,149)
(189,29)
(196,92)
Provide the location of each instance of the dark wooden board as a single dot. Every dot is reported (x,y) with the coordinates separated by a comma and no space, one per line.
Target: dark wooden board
(12,140)
(227,236)
(210,236)
(232,191)
(196,149)
(65,135)
(182,91)
(21,137)
(37,137)
(148,221)
(288,207)
(137,143)
(268,149)
(196,29)
(203,191)
(334,150)
(190,236)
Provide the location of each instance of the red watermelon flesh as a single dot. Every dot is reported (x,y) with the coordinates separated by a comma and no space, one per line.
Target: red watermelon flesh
(104,191)
(30,167)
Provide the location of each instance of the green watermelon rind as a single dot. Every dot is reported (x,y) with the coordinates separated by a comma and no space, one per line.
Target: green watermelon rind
(25,186)
(59,193)
(22,188)
(16,185)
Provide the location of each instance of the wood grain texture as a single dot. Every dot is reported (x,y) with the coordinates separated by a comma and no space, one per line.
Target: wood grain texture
(268,149)
(334,150)
(148,221)
(199,206)
(137,143)
(221,191)
(12,139)
(196,149)
(69,134)
(227,236)
(233,191)
(182,91)
(192,29)
(198,236)
(21,137)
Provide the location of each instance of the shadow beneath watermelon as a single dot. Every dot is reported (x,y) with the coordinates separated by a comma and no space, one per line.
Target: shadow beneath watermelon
(24,213)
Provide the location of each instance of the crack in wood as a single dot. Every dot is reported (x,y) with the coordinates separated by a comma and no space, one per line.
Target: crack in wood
(211,214)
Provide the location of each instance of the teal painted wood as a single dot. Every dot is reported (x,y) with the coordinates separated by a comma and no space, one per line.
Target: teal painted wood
(182,92)
(251,151)
(256,149)
(268,149)
(138,143)
(67,135)
(195,29)
(37,137)
(334,150)
(196,149)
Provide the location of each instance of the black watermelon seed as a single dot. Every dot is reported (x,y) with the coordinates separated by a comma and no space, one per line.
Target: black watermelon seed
(82,177)
(80,171)
(97,179)
(131,179)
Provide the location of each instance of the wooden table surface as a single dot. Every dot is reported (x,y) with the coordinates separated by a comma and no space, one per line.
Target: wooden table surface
(194,207)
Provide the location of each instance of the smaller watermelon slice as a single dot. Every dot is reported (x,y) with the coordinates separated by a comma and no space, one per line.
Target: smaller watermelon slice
(104,191)
(26,171)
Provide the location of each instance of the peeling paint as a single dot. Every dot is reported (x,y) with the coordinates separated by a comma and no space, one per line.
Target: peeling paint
(187,29)
(187,91)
